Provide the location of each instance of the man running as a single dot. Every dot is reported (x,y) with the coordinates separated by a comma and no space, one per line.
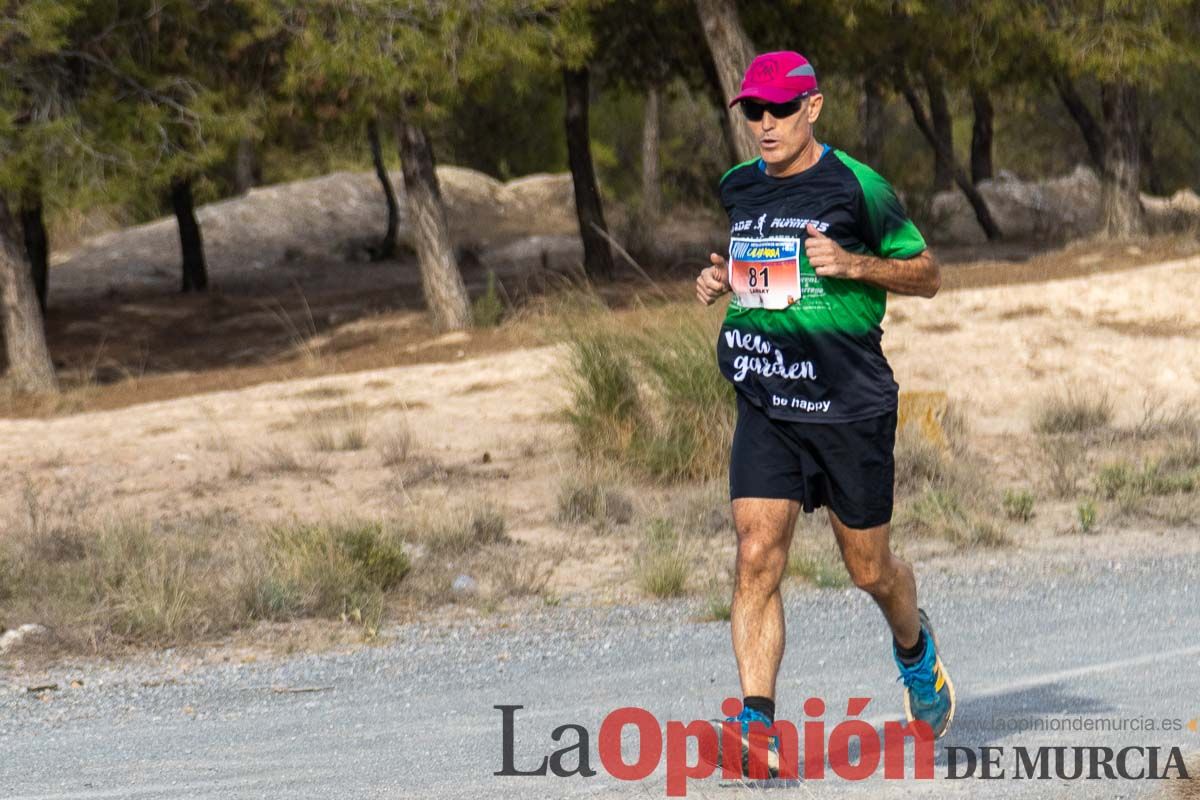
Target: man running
(817,240)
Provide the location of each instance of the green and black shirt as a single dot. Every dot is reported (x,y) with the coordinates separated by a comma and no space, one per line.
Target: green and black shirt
(819,359)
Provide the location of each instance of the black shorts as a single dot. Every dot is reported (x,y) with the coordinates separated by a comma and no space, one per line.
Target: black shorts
(847,466)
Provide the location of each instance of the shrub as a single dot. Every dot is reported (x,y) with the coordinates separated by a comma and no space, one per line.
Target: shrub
(488,310)
(1073,411)
(919,462)
(339,427)
(1131,485)
(1065,460)
(605,402)
(397,446)
(590,501)
(128,580)
(516,575)
(674,425)
(1087,515)
(693,407)
(717,609)
(467,530)
(941,513)
(1018,505)
(325,570)
(662,562)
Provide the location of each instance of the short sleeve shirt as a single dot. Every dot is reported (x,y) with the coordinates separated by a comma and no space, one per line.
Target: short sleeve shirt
(818,358)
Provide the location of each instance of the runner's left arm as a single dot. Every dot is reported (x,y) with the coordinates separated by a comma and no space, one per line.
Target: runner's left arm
(917,275)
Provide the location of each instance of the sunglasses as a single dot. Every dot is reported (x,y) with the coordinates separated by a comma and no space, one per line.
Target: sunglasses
(754,111)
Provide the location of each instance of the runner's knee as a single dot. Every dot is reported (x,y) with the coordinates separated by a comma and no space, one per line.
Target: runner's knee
(759,561)
(873,576)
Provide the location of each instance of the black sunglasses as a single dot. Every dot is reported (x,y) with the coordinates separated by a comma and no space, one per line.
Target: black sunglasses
(754,111)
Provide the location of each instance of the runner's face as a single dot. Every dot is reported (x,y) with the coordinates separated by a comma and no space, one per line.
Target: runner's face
(782,140)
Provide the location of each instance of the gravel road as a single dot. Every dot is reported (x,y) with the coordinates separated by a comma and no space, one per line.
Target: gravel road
(1055,641)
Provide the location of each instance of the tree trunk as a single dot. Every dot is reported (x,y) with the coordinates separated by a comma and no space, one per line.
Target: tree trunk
(871,120)
(1093,134)
(943,130)
(195,271)
(712,82)
(1120,205)
(247,172)
(37,245)
(1187,126)
(597,256)
(29,366)
(981,135)
(982,213)
(732,51)
(387,247)
(651,191)
(1153,175)
(445,292)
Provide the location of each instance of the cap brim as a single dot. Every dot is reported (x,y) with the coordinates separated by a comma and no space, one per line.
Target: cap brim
(768,94)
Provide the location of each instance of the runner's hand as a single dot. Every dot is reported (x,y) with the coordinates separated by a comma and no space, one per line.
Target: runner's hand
(713,281)
(827,257)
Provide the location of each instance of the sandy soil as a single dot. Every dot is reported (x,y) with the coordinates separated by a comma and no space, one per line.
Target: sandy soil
(488,426)
(1000,350)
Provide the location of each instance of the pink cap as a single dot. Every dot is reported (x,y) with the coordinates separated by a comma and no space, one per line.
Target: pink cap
(777,78)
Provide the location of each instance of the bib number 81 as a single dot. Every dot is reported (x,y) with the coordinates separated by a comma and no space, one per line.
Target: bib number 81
(753,274)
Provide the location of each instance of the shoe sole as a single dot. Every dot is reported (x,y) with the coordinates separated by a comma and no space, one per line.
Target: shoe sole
(772,755)
(945,676)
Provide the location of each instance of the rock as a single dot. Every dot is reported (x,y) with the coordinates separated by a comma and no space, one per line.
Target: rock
(924,413)
(1058,208)
(464,584)
(12,638)
(1061,208)
(337,215)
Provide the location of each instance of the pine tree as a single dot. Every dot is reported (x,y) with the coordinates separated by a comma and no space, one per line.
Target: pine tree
(167,95)
(405,62)
(36,122)
(1117,52)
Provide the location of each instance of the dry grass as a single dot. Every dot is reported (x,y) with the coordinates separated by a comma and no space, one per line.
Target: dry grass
(102,586)
(663,562)
(339,427)
(943,492)
(820,570)
(1018,505)
(1065,459)
(1153,468)
(1087,515)
(717,608)
(278,459)
(131,581)
(513,573)
(1074,410)
(587,499)
(323,393)
(649,398)
(396,446)
(944,513)
(339,571)
(464,530)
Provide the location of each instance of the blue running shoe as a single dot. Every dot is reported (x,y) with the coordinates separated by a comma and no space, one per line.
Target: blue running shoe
(928,692)
(747,716)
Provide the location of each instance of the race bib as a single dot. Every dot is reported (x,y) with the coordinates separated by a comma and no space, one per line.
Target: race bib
(765,273)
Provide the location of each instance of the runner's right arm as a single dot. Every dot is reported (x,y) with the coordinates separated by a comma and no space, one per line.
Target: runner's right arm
(712,282)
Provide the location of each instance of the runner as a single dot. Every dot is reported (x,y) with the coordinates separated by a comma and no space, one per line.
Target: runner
(817,240)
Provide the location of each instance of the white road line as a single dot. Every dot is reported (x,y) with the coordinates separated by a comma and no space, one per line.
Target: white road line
(1047,678)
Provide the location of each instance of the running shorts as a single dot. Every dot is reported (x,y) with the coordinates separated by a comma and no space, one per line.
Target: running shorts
(847,466)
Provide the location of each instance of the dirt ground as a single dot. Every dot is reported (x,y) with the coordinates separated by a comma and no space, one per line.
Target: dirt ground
(206,405)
